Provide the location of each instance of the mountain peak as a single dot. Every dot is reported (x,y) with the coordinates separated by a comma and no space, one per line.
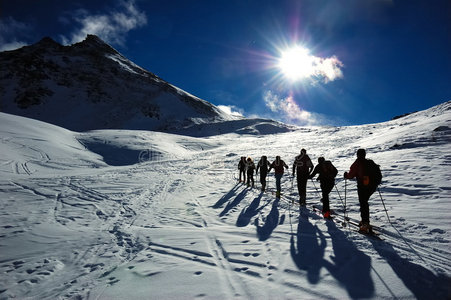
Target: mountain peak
(48,42)
(93,42)
(94,39)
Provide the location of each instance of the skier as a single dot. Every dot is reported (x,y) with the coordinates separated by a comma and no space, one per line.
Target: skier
(303,166)
(368,178)
(327,173)
(278,166)
(250,167)
(242,168)
(263,165)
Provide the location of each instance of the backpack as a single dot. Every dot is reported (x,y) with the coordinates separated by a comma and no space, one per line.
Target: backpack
(329,171)
(372,174)
(303,164)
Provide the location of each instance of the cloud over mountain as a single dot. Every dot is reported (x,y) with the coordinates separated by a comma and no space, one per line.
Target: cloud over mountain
(111,26)
(8,30)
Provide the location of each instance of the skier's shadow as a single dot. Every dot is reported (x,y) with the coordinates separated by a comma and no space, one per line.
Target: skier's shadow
(227,196)
(420,281)
(232,204)
(248,212)
(271,222)
(350,266)
(308,250)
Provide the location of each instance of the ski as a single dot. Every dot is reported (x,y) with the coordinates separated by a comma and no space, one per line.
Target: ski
(372,234)
(356,227)
(317,210)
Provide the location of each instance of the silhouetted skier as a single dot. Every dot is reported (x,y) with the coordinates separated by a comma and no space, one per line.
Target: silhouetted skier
(327,173)
(302,167)
(278,166)
(368,178)
(263,165)
(242,168)
(250,167)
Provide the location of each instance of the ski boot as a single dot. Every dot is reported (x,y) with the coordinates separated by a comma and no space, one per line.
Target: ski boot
(365,227)
(327,215)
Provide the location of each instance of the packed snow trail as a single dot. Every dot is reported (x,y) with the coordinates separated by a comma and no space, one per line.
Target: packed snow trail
(178,225)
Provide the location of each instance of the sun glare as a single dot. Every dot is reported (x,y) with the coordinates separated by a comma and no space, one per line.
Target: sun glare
(296,63)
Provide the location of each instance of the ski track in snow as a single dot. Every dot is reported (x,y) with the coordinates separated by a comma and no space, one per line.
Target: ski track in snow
(181,226)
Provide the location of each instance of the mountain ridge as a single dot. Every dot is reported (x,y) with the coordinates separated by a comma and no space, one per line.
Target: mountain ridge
(89,85)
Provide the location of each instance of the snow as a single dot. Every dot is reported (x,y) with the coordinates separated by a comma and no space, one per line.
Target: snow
(123,214)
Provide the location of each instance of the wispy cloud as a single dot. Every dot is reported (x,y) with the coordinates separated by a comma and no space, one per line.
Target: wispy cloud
(231,110)
(329,69)
(111,26)
(9,29)
(287,110)
(297,63)
(11,45)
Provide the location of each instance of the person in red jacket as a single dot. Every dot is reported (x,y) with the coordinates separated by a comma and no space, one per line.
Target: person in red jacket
(364,188)
(278,166)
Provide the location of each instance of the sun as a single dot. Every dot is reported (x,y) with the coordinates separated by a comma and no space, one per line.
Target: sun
(296,63)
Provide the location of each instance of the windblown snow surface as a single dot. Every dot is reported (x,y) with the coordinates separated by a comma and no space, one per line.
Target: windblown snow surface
(144,215)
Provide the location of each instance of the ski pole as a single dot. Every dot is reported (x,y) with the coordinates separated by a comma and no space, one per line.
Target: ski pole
(315,187)
(339,196)
(399,233)
(289,215)
(383,203)
(344,211)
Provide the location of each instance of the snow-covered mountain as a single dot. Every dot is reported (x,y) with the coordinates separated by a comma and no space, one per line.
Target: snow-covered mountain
(128,214)
(89,85)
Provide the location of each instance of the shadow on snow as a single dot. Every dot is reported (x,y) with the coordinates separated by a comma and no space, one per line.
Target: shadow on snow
(271,222)
(227,196)
(420,281)
(308,250)
(248,212)
(349,266)
(231,204)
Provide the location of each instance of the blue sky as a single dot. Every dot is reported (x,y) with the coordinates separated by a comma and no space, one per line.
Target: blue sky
(367,60)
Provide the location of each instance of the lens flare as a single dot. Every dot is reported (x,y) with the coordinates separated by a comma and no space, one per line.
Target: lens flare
(296,63)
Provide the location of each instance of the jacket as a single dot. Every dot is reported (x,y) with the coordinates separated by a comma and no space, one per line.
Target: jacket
(302,164)
(357,171)
(278,166)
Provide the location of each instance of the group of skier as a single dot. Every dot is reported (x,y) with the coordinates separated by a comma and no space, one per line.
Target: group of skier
(366,172)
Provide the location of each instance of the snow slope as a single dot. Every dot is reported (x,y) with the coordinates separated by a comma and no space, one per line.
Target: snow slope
(118,214)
